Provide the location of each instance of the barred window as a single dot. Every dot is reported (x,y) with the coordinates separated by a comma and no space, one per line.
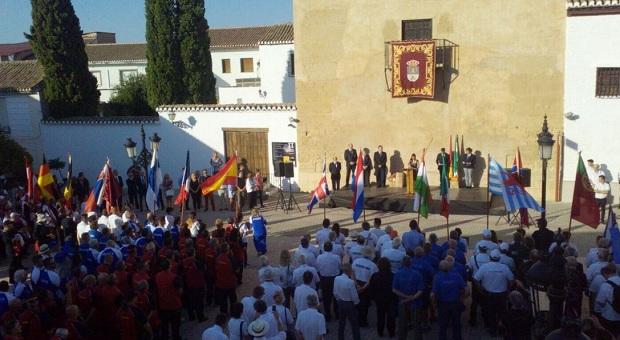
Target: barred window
(420,29)
(608,82)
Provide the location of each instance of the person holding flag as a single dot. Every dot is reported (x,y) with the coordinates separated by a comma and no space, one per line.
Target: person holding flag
(45,181)
(154,181)
(184,184)
(584,207)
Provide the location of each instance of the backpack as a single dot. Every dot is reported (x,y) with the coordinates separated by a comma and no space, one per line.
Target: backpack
(615,304)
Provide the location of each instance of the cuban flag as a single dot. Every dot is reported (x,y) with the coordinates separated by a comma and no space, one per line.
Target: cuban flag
(514,195)
(320,192)
(154,181)
(358,189)
(184,190)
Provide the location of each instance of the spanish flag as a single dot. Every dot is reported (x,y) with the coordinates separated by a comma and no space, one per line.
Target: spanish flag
(45,181)
(226,175)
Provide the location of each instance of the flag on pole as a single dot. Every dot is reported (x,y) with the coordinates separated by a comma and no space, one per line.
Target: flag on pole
(517,165)
(451,167)
(444,188)
(321,191)
(422,198)
(184,189)
(513,193)
(45,181)
(358,189)
(154,181)
(226,175)
(456,159)
(611,223)
(68,192)
(106,190)
(584,208)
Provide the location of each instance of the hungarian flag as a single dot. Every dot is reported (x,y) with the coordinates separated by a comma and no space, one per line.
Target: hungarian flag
(45,181)
(444,187)
(422,198)
(455,159)
(584,208)
(226,175)
(68,193)
(184,185)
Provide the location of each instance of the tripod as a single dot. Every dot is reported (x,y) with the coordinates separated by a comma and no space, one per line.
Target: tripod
(281,200)
(291,199)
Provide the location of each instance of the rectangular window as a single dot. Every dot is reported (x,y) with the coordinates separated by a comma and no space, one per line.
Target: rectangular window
(126,74)
(421,29)
(608,82)
(247,65)
(291,64)
(97,76)
(225,65)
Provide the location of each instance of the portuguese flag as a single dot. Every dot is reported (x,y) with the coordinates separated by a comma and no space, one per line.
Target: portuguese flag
(227,175)
(422,197)
(584,208)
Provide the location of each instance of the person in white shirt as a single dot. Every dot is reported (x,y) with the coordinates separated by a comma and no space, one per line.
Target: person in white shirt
(386,238)
(395,255)
(264,267)
(504,249)
(271,317)
(610,318)
(300,297)
(591,172)
(595,268)
(260,330)
(103,221)
(306,251)
(495,278)
(369,238)
(355,250)
(328,265)
(601,191)
(337,248)
(284,314)
(114,221)
(310,323)
(363,268)
(592,256)
(347,298)
(300,271)
(270,287)
(237,327)
(322,235)
(83,226)
(216,332)
(286,275)
(486,241)
(376,229)
(248,304)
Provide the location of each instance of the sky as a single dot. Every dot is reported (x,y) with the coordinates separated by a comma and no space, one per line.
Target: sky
(126,17)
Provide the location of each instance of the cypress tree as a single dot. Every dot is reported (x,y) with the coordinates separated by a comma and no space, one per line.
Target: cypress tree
(164,84)
(56,38)
(198,79)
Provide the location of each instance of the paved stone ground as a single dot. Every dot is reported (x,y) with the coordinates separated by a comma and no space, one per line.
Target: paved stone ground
(285,229)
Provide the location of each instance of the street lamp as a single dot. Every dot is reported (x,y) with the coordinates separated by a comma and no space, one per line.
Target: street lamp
(144,157)
(155,139)
(130,146)
(545,151)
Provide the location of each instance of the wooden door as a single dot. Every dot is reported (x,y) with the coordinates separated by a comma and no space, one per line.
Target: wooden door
(252,147)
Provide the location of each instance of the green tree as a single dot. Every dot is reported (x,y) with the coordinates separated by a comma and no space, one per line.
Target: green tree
(163,68)
(193,34)
(69,87)
(12,159)
(130,99)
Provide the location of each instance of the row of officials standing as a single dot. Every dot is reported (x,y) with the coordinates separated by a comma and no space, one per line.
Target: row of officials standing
(379,160)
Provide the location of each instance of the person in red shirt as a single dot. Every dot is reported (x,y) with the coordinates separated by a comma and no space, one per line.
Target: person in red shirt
(13,330)
(106,298)
(141,274)
(106,266)
(194,279)
(131,260)
(225,279)
(32,328)
(76,328)
(210,255)
(132,323)
(168,287)
(122,278)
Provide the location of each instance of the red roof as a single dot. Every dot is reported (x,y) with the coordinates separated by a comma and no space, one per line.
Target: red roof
(10,49)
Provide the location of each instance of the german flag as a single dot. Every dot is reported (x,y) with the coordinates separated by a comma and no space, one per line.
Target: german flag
(227,175)
(45,181)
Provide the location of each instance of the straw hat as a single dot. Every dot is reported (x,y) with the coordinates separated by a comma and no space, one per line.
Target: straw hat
(258,327)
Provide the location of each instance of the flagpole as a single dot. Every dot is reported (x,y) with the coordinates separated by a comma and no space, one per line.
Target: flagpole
(448,226)
(488,200)
(570,222)
(608,219)
(325,196)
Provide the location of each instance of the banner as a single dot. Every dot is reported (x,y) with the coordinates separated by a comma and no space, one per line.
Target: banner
(413,69)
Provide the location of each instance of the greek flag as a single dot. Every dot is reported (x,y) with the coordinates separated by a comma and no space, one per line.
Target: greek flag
(501,184)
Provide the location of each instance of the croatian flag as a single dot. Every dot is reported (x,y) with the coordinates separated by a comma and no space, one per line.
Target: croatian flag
(320,192)
(514,195)
(154,184)
(358,189)
(98,195)
(184,190)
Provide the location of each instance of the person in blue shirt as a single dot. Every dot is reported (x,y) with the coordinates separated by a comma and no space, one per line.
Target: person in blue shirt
(408,285)
(425,269)
(461,245)
(456,267)
(412,238)
(436,249)
(448,289)
(259,230)
(429,257)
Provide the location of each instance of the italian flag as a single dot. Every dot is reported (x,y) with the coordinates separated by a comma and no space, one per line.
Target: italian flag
(422,197)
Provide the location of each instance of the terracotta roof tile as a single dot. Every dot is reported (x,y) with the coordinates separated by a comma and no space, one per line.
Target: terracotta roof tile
(576,4)
(20,76)
(116,52)
(10,49)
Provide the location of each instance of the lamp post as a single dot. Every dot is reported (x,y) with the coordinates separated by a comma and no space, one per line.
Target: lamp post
(145,155)
(545,151)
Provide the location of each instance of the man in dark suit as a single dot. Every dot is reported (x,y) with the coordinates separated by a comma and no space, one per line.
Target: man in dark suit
(350,158)
(334,170)
(380,159)
(443,159)
(367,166)
(468,162)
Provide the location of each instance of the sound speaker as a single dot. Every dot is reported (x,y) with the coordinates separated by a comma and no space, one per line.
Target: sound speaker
(278,169)
(288,170)
(525,178)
